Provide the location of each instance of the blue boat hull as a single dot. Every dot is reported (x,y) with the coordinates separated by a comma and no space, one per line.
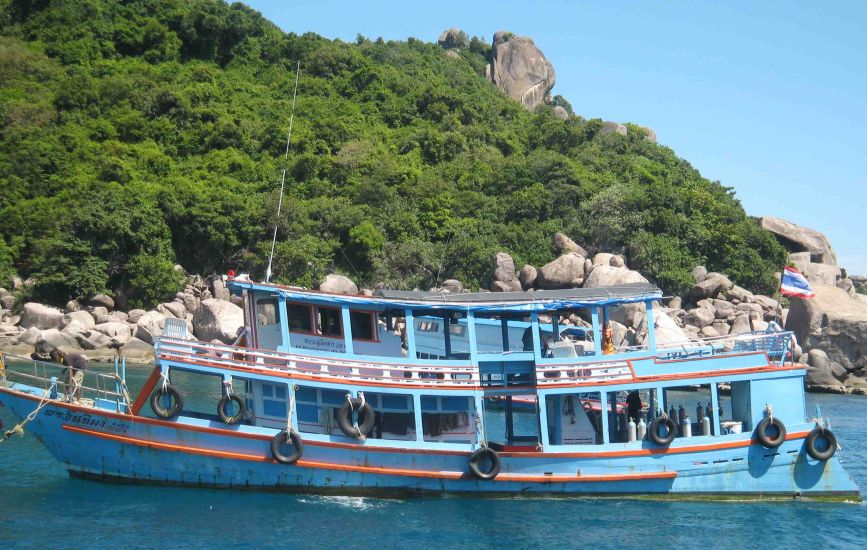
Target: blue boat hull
(101,444)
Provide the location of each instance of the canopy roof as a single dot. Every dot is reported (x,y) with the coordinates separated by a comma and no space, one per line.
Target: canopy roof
(490,302)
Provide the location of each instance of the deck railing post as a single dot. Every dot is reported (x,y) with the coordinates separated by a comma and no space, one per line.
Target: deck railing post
(543,418)
(651,327)
(471,336)
(537,339)
(416,409)
(603,404)
(597,334)
(714,401)
(347,330)
(410,335)
(284,325)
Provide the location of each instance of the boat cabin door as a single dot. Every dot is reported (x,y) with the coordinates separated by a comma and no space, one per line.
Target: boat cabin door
(266,317)
(512,421)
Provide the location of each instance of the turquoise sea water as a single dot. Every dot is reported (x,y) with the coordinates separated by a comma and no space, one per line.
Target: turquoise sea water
(40,506)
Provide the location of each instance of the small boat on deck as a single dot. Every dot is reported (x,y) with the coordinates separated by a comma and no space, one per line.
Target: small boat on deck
(421,392)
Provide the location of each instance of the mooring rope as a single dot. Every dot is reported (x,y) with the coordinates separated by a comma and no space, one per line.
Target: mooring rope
(18,429)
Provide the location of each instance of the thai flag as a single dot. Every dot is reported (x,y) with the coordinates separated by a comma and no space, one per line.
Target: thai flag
(795,284)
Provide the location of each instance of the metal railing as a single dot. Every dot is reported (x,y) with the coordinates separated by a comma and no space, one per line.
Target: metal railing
(54,380)
(776,344)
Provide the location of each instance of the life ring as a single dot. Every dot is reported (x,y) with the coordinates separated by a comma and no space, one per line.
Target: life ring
(670,426)
(175,398)
(476,459)
(810,444)
(366,417)
(284,437)
(766,439)
(225,416)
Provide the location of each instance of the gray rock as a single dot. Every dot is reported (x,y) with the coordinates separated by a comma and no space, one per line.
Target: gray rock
(561,113)
(218,319)
(818,359)
(609,127)
(741,324)
(7,301)
(30,336)
(101,300)
(520,70)
(723,309)
(83,318)
(453,38)
(72,305)
(699,317)
(40,316)
(833,322)
(675,303)
(564,245)
(602,258)
(501,286)
(667,330)
(721,327)
(452,285)
(766,302)
(527,277)
(710,287)
(333,284)
(92,339)
(101,316)
(801,239)
(4,292)
(221,292)
(149,326)
(709,332)
(122,317)
(138,351)
(134,315)
(453,54)
(53,338)
(237,300)
(649,134)
(629,315)
(606,275)
(502,267)
(699,273)
(561,272)
(117,331)
(192,302)
(617,261)
(847,285)
(739,294)
(173,309)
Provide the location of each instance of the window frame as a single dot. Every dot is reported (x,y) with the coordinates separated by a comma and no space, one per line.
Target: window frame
(374,326)
(310,314)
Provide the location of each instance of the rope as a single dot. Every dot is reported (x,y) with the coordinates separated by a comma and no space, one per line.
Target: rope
(18,429)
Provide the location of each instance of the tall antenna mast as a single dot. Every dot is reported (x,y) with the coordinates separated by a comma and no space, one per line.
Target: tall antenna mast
(283,177)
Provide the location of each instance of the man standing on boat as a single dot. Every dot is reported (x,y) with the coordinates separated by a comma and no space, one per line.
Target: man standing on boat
(75,364)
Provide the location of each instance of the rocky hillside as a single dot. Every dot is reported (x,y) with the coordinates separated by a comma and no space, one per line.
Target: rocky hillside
(138,135)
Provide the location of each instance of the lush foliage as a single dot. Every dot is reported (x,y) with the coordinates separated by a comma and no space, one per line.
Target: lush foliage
(140,134)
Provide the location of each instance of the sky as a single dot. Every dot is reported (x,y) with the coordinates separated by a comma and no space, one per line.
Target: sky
(769,98)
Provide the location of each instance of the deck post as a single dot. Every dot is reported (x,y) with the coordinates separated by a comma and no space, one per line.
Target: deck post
(603,405)
(410,335)
(597,334)
(284,325)
(471,336)
(555,327)
(542,406)
(504,325)
(651,327)
(481,429)
(416,409)
(537,340)
(347,330)
(714,402)
(447,335)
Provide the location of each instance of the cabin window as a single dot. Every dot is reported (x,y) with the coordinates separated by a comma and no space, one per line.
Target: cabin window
(687,406)
(201,392)
(274,400)
(734,407)
(298,317)
(316,409)
(448,419)
(363,324)
(516,424)
(427,325)
(267,312)
(395,416)
(625,405)
(574,419)
(329,321)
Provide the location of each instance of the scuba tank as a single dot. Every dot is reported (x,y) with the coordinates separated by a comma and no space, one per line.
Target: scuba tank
(699,412)
(642,429)
(673,413)
(631,430)
(686,426)
(681,414)
(705,426)
(709,411)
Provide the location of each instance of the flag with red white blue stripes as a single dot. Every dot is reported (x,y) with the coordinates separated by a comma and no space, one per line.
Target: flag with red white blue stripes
(794,284)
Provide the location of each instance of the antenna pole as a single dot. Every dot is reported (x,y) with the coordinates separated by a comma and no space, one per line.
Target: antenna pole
(283,177)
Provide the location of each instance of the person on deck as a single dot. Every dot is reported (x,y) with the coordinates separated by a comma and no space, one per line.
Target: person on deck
(75,364)
(607,339)
(633,405)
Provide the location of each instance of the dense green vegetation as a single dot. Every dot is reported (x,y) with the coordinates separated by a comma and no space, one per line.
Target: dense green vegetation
(140,134)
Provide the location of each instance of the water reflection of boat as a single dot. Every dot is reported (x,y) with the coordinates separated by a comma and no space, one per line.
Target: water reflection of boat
(402,393)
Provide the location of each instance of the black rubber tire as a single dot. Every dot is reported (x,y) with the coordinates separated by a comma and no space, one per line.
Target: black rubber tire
(810,444)
(176,397)
(366,418)
(282,438)
(762,432)
(237,417)
(653,430)
(480,454)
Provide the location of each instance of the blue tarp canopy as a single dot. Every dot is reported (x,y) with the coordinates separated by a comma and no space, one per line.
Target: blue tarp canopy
(480,302)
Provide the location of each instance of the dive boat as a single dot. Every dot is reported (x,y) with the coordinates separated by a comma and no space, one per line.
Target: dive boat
(408,392)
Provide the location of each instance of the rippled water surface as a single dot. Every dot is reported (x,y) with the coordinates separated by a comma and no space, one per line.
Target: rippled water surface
(40,506)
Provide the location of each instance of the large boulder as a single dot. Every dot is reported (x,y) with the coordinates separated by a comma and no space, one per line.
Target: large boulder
(149,326)
(501,286)
(7,301)
(83,318)
(520,70)
(564,245)
(53,338)
(454,286)
(117,331)
(173,309)
(699,317)
(40,316)
(564,272)
(100,300)
(453,38)
(527,277)
(801,239)
(607,275)
(137,351)
(609,127)
(218,320)
(134,315)
(712,285)
(502,267)
(221,292)
(833,322)
(668,333)
(333,284)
